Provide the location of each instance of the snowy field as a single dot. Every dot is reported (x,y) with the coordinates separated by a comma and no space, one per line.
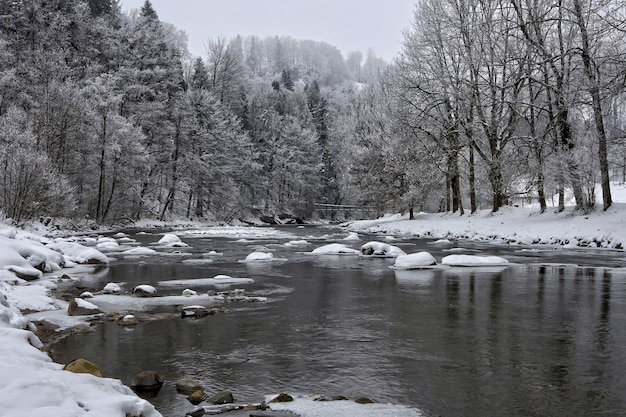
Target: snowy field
(31,266)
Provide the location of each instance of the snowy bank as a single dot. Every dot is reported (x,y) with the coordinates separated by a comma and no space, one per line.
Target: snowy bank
(34,385)
(511,225)
(31,383)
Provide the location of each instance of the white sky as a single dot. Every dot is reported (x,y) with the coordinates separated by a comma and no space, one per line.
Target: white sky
(347,24)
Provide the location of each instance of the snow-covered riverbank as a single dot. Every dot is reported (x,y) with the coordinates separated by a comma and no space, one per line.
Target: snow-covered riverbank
(512,225)
(31,383)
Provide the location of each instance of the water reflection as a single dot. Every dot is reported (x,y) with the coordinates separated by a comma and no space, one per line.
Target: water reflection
(414,278)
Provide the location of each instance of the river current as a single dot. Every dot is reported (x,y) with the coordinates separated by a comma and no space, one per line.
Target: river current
(545,336)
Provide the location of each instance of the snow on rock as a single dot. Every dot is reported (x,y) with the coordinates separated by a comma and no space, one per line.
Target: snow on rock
(144,290)
(441,242)
(139,251)
(112,288)
(352,236)
(259,256)
(415,261)
(188,293)
(11,260)
(27,259)
(335,249)
(86,305)
(381,249)
(168,239)
(473,260)
(218,279)
(297,243)
(78,253)
(107,245)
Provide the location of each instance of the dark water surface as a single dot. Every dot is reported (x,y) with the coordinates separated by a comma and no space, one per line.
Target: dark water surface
(539,338)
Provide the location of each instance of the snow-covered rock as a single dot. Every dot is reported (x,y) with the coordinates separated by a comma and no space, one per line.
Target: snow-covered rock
(352,236)
(139,251)
(79,254)
(473,260)
(168,239)
(107,245)
(259,256)
(216,280)
(415,261)
(112,288)
(335,249)
(297,243)
(381,249)
(441,242)
(27,254)
(80,307)
(144,290)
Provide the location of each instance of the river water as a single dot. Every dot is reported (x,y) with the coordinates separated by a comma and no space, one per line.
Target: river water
(545,336)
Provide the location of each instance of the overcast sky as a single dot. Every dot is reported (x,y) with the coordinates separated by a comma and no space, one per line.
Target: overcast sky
(347,24)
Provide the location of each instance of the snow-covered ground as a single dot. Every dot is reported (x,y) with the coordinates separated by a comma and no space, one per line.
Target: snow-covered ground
(31,383)
(514,225)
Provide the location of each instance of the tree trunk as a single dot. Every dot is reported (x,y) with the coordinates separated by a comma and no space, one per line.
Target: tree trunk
(472,180)
(594,91)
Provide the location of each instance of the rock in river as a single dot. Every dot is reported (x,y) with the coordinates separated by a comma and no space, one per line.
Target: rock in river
(147,381)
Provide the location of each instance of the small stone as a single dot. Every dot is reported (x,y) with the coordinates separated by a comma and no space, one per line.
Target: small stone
(211,293)
(224,397)
(195,311)
(187,386)
(339,398)
(128,320)
(282,398)
(83,366)
(196,412)
(197,397)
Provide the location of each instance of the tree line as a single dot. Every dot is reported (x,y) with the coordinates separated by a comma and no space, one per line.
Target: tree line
(502,99)
(105,115)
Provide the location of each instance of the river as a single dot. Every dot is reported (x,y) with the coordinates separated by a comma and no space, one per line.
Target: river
(545,336)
